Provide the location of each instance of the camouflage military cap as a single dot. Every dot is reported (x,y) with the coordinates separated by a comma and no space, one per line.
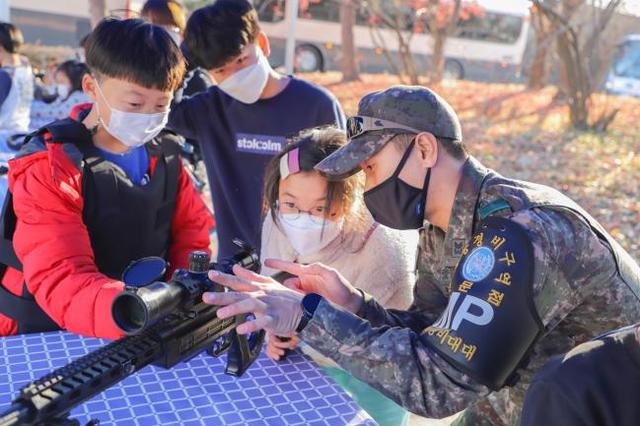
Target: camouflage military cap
(396,110)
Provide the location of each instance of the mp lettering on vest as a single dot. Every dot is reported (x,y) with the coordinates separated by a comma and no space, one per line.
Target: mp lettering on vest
(260,144)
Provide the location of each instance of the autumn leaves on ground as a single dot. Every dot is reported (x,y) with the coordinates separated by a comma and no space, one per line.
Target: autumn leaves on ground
(524,134)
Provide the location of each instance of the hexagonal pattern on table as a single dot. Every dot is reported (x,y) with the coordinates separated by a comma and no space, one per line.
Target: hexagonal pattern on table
(290,392)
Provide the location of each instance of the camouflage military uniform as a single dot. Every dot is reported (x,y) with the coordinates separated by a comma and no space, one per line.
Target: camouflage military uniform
(577,289)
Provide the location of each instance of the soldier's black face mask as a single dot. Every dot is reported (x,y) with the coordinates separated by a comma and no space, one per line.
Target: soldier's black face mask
(395,203)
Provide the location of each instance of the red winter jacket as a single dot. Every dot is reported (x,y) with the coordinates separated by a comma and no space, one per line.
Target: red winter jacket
(53,244)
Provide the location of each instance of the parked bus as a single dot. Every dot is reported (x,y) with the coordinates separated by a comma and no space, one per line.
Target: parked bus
(487,46)
(624,75)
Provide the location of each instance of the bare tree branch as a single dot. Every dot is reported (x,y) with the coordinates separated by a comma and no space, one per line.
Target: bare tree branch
(575,57)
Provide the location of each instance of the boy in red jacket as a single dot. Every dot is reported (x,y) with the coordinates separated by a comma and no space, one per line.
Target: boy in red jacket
(92,193)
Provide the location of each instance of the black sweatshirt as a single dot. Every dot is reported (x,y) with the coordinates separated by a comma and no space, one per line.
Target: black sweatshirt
(597,383)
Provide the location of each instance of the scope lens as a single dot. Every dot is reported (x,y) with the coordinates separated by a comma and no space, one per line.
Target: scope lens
(129,312)
(134,310)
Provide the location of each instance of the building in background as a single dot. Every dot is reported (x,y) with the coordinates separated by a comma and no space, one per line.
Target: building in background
(4,10)
(58,22)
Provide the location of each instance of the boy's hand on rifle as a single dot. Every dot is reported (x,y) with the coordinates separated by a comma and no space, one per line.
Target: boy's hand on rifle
(276,308)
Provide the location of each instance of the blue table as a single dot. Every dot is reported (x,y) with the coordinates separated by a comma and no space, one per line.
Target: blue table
(291,392)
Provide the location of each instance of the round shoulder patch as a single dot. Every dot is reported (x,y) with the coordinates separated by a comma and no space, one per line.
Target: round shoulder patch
(478,264)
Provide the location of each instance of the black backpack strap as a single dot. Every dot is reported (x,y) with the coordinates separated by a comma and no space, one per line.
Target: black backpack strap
(7,228)
(8,255)
(167,148)
(72,134)
(30,317)
(65,131)
(75,138)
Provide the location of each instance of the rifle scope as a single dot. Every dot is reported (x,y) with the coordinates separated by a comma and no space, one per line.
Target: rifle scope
(139,307)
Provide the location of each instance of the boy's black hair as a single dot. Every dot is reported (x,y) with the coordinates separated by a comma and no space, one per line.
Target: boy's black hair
(83,41)
(10,37)
(136,51)
(218,33)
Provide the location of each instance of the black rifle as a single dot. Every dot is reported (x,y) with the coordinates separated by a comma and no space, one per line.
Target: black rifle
(166,323)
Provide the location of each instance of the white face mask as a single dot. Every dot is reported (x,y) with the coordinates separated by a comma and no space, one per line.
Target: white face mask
(133,129)
(63,90)
(247,84)
(306,236)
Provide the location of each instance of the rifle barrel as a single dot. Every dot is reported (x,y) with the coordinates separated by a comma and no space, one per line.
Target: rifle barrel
(58,392)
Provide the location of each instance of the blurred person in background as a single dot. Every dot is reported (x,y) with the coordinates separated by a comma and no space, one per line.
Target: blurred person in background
(171,15)
(309,219)
(45,85)
(68,88)
(244,120)
(16,93)
(16,83)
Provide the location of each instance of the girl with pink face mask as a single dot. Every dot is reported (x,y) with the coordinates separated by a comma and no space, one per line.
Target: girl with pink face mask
(310,219)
